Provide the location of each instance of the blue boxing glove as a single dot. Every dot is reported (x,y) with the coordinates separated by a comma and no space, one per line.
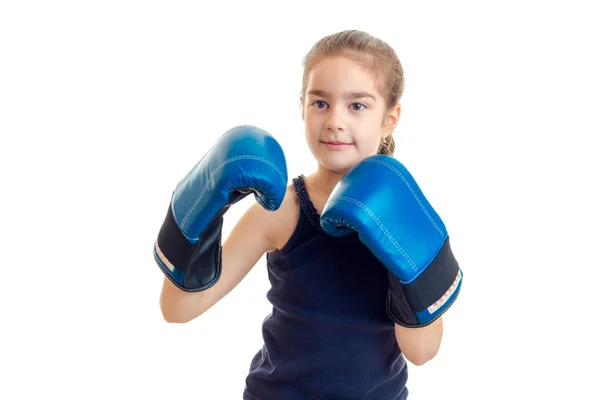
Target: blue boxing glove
(379,199)
(244,160)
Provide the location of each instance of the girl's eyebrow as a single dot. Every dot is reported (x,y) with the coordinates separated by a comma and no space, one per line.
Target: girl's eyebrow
(352,95)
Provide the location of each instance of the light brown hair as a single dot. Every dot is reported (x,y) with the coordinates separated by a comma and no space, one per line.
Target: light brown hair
(374,54)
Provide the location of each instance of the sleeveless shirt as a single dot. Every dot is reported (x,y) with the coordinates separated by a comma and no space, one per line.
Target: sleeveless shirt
(328,335)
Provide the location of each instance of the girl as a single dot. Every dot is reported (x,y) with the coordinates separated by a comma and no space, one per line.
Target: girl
(331,334)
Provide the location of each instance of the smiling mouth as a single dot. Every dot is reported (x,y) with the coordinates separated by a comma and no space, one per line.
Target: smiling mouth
(334,143)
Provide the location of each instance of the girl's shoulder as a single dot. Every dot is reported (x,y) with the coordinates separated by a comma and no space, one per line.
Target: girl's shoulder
(281,224)
(283,221)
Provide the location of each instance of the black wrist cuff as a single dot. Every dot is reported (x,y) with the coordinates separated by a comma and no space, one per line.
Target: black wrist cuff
(192,267)
(405,300)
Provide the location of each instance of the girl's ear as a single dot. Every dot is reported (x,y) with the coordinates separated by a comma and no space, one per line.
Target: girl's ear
(391,120)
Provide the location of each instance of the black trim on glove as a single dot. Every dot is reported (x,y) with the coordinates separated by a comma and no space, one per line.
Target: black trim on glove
(200,263)
(406,299)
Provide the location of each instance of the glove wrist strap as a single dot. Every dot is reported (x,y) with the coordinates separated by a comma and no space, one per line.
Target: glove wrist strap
(191,267)
(422,300)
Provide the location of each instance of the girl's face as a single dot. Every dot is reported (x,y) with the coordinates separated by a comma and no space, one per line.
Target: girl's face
(345,115)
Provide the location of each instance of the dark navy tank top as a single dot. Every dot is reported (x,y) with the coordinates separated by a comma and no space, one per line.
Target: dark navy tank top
(328,336)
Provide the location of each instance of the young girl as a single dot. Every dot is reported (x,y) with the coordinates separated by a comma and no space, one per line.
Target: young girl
(341,325)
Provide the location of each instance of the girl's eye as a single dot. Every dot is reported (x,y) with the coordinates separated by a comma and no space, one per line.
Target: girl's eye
(320,104)
(357,106)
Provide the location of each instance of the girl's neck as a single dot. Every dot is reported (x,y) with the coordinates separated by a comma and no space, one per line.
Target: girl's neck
(320,185)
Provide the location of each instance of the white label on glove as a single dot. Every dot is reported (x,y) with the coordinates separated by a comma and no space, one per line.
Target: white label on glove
(162,257)
(435,306)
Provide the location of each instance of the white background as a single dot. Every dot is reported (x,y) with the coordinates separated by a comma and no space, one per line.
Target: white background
(104,106)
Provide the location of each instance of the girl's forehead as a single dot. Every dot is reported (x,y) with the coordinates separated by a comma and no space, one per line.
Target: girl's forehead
(341,61)
(342,77)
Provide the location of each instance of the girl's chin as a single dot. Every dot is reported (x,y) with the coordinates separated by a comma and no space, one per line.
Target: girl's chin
(339,166)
